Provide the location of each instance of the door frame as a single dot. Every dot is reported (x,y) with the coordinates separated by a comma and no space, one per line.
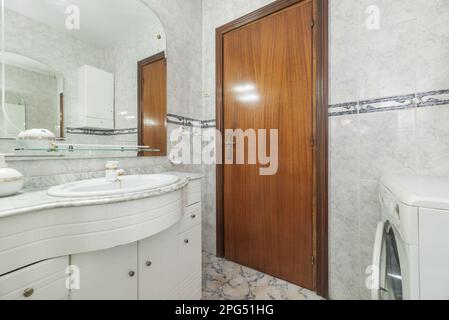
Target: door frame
(140,65)
(320,101)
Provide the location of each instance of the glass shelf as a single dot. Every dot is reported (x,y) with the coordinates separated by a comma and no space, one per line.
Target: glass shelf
(73,148)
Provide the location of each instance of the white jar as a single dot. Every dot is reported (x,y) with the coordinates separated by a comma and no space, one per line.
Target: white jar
(11,181)
(36,139)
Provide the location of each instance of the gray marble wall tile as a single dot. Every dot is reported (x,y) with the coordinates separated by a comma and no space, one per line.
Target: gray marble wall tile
(344,145)
(366,260)
(388,56)
(344,263)
(370,211)
(433,140)
(344,56)
(433,49)
(37,168)
(387,143)
(44,182)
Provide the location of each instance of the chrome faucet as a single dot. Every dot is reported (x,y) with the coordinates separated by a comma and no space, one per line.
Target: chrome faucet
(112,172)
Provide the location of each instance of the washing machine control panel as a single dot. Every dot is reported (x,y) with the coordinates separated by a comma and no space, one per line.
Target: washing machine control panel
(403,218)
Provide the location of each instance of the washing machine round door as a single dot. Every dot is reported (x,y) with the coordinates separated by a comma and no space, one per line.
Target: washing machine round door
(387,275)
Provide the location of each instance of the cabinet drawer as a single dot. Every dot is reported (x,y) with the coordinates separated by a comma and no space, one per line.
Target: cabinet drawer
(193,192)
(42,281)
(190,257)
(191,218)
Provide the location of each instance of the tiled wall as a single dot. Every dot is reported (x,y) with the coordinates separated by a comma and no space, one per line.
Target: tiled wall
(388,115)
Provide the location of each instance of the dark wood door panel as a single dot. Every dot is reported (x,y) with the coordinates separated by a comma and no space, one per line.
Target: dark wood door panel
(153,105)
(268,84)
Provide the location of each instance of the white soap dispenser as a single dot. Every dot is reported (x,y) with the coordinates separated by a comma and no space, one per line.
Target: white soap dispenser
(11,181)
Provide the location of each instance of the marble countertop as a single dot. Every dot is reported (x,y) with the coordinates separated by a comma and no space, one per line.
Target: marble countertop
(28,202)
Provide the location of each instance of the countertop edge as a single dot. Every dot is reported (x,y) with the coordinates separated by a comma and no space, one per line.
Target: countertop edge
(58,203)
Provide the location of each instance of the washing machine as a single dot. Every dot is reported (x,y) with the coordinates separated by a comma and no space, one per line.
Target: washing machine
(411,251)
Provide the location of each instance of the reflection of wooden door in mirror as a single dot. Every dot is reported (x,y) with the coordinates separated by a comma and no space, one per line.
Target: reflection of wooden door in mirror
(61,115)
(152,87)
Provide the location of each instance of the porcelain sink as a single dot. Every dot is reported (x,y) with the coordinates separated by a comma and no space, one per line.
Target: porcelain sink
(124,185)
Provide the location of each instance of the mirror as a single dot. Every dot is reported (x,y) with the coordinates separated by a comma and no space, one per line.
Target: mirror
(33,93)
(71,67)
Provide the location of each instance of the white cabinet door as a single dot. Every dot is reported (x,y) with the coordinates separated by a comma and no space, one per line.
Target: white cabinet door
(158,266)
(96,90)
(45,280)
(107,275)
(190,264)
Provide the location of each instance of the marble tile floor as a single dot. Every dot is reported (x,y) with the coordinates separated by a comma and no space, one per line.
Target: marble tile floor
(226,280)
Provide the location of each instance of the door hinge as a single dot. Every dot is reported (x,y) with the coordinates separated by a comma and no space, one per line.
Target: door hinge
(312,23)
(312,142)
(313,260)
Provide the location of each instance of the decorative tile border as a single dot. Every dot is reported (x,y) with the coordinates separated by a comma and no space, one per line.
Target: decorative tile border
(208,124)
(387,104)
(183,121)
(433,98)
(343,108)
(100,132)
(171,118)
(419,100)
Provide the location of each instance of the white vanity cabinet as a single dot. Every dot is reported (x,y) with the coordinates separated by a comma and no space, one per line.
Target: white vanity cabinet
(153,252)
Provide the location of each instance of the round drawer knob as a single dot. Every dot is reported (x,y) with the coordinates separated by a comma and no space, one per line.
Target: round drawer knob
(132,274)
(193,216)
(186,241)
(28,292)
(148,263)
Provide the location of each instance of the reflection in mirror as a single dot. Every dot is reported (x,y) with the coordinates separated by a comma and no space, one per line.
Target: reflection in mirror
(33,94)
(12,116)
(71,68)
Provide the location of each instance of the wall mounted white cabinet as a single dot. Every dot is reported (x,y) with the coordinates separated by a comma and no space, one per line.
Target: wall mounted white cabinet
(96,99)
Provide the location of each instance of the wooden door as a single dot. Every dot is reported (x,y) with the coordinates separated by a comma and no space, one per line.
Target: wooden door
(268,84)
(153,104)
